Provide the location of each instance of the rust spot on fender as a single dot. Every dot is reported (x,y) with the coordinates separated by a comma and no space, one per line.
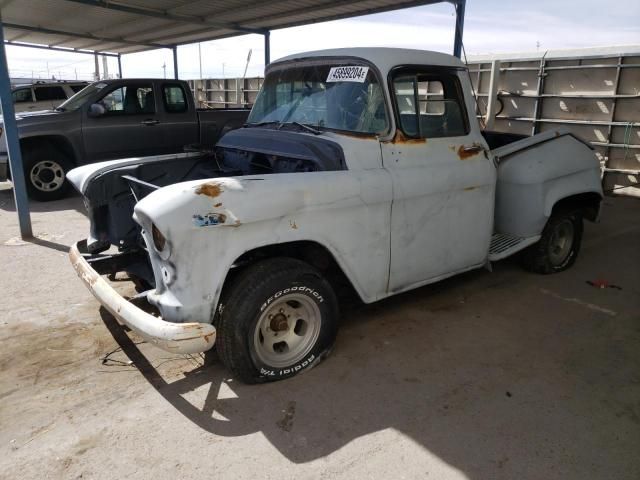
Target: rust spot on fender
(217,205)
(467,152)
(468,189)
(401,139)
(292,224)
(209,189)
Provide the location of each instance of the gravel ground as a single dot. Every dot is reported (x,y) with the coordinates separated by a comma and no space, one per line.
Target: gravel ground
(484,376)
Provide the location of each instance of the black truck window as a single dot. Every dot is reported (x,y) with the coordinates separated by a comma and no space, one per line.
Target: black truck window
(430,105)
(50,93)
(130,100)
(22,95)
(174,98)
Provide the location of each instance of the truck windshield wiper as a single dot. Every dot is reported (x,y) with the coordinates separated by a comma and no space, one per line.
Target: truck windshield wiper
(261,124)
(304,126)
(280,124)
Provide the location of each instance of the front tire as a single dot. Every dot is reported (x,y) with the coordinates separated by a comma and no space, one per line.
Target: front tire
(279,318)
(46,174)
(558,246)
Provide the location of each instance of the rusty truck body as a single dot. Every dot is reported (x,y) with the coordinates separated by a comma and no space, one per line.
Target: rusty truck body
(361,168)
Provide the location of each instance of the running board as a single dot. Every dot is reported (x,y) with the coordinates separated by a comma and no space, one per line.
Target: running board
(503,245)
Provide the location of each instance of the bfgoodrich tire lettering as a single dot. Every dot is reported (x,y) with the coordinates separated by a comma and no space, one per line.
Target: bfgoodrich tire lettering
(276,320)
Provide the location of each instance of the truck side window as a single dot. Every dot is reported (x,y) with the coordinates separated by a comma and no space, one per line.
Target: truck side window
(50,93)
(430,105)
(22,95)
(174,99)
(130,100)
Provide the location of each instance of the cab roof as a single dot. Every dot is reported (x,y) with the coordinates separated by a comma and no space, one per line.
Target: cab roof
(383,58)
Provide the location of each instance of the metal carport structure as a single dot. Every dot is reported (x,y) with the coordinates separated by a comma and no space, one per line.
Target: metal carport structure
(114,28)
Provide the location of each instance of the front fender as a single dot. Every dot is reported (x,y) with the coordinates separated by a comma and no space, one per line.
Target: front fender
(208,225)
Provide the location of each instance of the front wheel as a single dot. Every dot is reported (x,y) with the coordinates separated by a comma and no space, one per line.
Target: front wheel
(279,318)
(558,246)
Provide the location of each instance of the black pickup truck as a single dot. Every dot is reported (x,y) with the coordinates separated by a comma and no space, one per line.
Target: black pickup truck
(113,119)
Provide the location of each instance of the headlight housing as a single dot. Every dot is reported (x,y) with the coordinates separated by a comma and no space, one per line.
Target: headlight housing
(159,240)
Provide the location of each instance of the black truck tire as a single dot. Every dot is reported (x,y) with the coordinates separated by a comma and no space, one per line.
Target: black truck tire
(277,319)
(45,173)
(558,246)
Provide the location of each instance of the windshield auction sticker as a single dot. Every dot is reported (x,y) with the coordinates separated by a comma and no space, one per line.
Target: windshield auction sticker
(348,74)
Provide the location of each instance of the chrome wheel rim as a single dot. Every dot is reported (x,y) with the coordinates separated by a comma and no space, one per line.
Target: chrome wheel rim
(287,330)
(47,176)
(561,242)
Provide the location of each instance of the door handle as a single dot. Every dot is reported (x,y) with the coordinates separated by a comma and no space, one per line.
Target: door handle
(473,149)
(470,151)
(149,122)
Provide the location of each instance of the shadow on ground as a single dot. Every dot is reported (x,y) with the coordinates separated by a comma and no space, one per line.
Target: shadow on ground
(73,202)
(486,383)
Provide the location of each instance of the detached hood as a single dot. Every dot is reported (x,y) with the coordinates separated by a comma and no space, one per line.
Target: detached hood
(320,150)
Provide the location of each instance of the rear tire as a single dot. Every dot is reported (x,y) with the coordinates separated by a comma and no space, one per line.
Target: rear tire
(45,172)
(279,318)
(558,246)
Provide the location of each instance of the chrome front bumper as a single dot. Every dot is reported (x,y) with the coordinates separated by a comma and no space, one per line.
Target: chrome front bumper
(169,336)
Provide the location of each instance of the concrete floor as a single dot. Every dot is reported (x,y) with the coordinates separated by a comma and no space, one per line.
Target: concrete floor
(485,376)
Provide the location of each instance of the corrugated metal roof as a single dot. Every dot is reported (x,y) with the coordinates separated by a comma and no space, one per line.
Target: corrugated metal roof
(127,26)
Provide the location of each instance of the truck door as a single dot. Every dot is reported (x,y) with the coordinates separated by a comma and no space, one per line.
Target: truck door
(129,125)
(179,120)
(443,181)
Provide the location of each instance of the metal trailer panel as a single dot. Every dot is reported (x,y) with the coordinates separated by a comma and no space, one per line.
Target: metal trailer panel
(595,93)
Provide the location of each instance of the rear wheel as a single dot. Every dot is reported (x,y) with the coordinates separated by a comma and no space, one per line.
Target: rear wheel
(558,246)
(278,319)
(46,174)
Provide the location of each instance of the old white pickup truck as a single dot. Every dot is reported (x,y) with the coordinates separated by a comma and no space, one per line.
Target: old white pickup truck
(358,168)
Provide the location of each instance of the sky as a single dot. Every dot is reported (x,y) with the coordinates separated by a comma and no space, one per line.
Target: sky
(491,26)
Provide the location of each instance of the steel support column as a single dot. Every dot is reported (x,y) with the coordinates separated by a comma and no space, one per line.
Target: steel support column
(492,99)
(174,49)
(13,145)
(96,66)
(120,65)
(267,48)
(457,43)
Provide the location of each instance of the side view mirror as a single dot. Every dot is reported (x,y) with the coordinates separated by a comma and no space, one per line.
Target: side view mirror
(96,110)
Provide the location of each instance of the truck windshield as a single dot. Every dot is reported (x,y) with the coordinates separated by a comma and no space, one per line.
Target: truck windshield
(79,99)
(345,97)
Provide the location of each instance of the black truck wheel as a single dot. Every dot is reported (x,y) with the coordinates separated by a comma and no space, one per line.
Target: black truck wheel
(278,318)
(46,173)
(559,245)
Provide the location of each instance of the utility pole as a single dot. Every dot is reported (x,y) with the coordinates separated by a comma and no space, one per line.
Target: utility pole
(244,75)
(200,58)
(164,68)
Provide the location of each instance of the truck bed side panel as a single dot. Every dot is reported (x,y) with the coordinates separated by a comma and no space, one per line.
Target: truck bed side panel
(534,174)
